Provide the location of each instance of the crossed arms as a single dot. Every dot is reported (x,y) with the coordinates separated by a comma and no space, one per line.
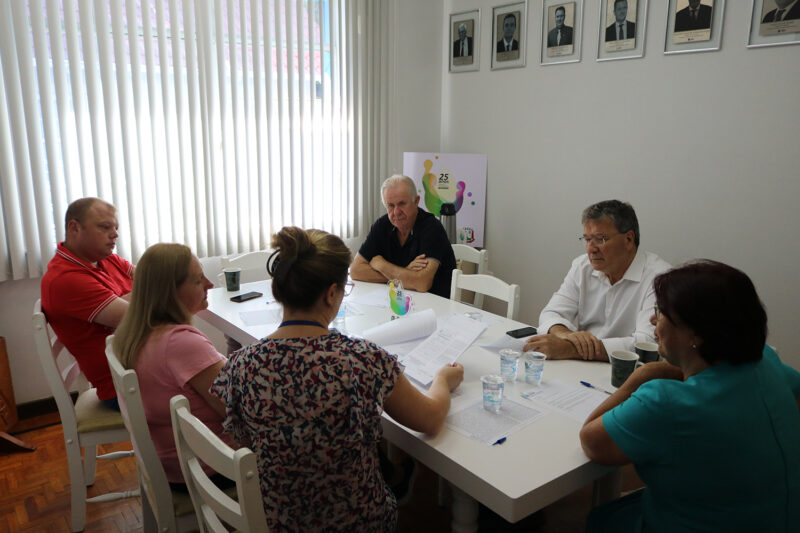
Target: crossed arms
(417,275)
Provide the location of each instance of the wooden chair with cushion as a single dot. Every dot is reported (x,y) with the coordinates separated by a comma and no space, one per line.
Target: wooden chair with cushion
(163,509)
(196,443)
(481,260)
(488,285)
(87,423)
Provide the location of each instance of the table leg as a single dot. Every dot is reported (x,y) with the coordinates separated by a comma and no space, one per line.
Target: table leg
(394,453)
(465,512)
(607,488)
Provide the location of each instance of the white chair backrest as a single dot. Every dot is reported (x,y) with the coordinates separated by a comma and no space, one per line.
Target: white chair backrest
(60,368)
(253,265)
(472,255)
(488,285)
(152,478)
(196,443)
(481,260)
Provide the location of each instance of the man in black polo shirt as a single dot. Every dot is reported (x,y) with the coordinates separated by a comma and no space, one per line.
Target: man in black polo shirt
(406,243)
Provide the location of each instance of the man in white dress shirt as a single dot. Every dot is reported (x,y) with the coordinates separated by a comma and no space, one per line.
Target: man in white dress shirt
(607,298)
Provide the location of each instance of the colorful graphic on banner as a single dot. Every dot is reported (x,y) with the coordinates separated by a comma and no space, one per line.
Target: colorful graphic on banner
(439,190)
(459,179)
(398,300)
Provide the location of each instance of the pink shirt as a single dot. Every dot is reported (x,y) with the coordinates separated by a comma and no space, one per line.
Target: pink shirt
(165,365)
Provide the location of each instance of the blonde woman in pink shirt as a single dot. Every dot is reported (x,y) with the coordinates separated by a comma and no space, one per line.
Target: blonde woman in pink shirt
(156,338)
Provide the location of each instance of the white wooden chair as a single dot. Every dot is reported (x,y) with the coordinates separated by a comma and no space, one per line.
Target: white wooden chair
(253,265)
(214,508)
(163,509)
(488,285)
(86,424)
(481,260)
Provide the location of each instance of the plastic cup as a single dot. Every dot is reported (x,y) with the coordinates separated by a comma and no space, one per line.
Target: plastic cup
(623,363)
(232,277)
(647,351)
(474,315)
(339,322)
(493,386)
(509,361)
(534,366)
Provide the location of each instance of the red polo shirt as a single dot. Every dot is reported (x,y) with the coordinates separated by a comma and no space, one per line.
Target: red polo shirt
(73,293)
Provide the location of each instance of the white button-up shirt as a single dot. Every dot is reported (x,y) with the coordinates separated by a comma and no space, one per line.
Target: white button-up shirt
(619,314)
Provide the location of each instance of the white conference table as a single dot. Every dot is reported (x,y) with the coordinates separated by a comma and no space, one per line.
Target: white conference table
(534,467)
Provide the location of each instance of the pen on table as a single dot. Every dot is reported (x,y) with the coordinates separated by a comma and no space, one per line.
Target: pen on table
(587,384)
(501,440)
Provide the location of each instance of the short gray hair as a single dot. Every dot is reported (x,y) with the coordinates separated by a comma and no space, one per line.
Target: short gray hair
(399,180)
(462,25)
(621,213)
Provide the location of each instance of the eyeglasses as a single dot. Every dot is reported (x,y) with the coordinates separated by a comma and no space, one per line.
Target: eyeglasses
(597,240)
(348,288)
(656,312)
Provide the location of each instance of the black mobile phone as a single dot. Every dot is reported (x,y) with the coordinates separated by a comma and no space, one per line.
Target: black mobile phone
(239,298)
(527,331)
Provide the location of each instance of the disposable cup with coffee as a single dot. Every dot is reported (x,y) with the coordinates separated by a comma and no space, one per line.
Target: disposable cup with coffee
(623,363)
(232,277)
(647,351)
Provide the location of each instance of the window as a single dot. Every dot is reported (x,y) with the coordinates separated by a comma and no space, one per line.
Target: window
(208,123)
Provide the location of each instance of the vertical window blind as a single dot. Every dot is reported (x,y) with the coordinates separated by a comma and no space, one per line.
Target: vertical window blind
(209,123)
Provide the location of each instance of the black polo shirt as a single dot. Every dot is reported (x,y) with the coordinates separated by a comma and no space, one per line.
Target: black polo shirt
(427,237)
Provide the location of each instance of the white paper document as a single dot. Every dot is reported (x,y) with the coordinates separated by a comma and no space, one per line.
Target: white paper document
(273,314)
(375,298)
(454,334)
(484,317)
(475,422)
(404,329)
(574,400)
(502,342)
(402,349)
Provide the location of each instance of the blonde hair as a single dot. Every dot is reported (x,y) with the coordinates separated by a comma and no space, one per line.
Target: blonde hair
(154,299)
(304,264)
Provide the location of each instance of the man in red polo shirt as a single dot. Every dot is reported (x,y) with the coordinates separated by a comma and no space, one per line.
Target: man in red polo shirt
(83,289)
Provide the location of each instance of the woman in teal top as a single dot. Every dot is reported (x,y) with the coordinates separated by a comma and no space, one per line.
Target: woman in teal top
(714,432)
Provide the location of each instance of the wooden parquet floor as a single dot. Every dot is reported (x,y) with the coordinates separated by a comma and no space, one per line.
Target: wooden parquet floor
(35,488)
(34,496)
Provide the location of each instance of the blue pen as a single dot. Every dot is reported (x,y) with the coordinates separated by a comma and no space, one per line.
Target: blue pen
(501,440)
(587,384)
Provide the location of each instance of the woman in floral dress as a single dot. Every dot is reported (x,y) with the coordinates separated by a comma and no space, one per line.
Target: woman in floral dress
(309,400)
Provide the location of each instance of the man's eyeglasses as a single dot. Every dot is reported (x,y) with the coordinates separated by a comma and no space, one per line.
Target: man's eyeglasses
(597,240)
(656,312)
(348,288)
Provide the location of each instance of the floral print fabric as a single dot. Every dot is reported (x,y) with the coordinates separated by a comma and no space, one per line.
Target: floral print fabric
(310,408)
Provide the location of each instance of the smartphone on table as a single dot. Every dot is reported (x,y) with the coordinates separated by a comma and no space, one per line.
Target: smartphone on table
(239,298)
(527,331)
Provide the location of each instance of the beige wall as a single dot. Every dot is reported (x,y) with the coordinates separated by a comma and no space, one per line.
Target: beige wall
(704,145)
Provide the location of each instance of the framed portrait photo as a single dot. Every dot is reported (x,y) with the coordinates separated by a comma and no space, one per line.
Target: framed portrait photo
(694,26)
(622,29)
(465,29)
(509,35)
(774,23)
(562,22)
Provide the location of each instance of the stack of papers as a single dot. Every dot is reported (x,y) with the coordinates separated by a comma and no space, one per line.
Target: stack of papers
(473,421)
(423,344)
(573,400)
